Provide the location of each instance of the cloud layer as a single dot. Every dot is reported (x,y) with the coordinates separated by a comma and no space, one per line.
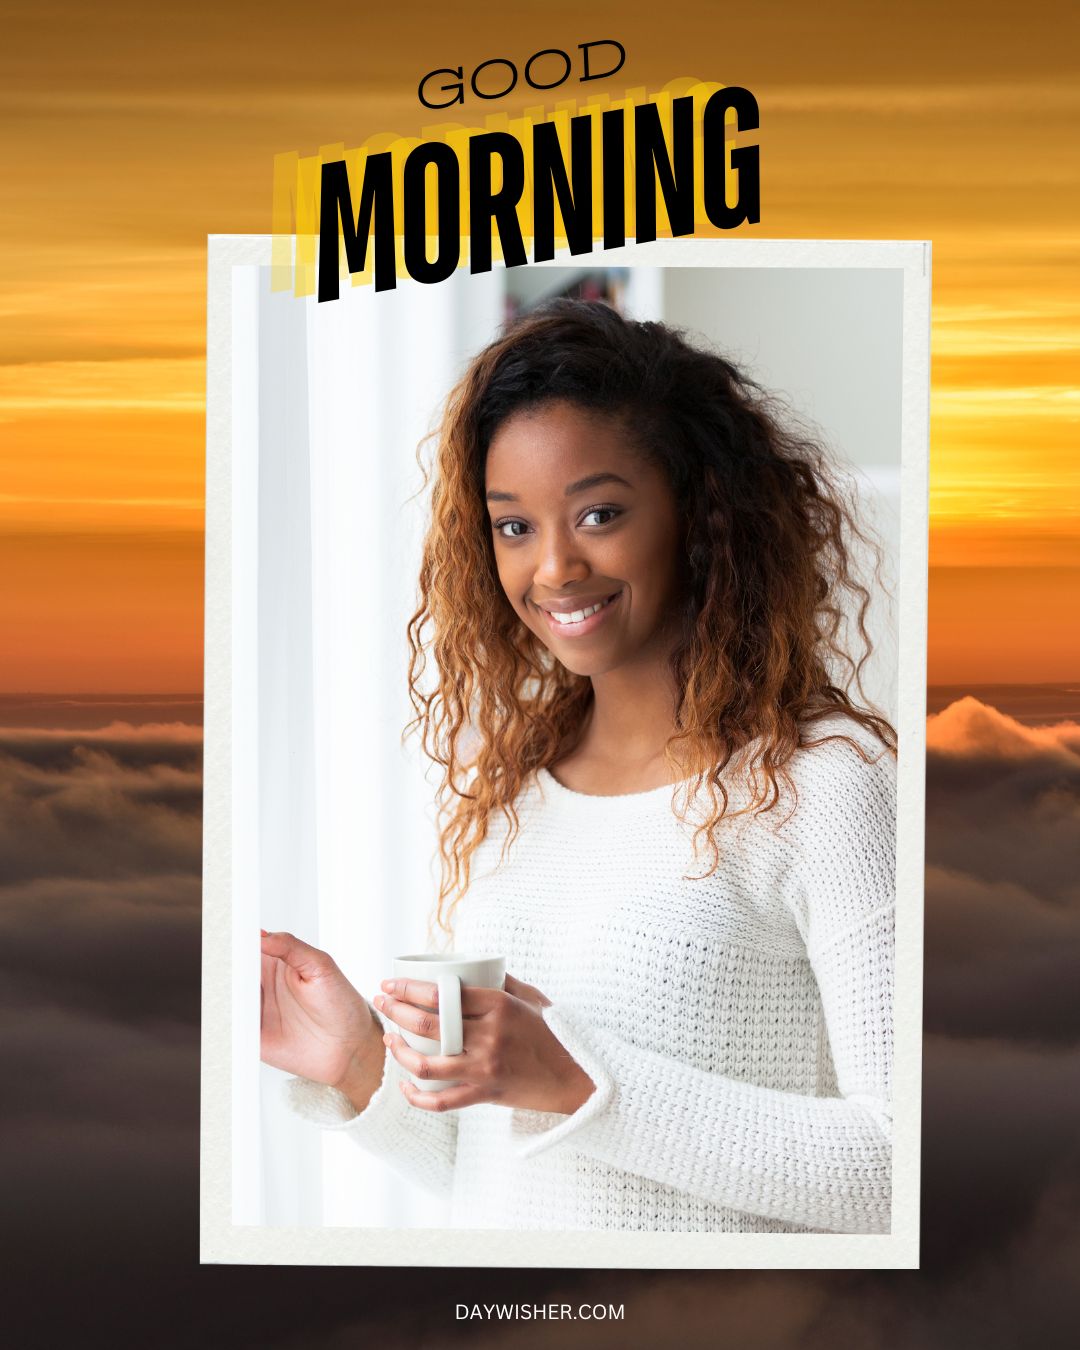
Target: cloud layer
(99,999)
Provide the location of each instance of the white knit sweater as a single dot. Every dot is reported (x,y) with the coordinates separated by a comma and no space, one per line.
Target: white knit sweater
(738,1029)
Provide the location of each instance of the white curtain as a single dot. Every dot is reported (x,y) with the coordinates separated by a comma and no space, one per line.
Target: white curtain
(345,392)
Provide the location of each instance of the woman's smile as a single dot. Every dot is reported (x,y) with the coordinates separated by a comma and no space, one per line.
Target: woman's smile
(580,620)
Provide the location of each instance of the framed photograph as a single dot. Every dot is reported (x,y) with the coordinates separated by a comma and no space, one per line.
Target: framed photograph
(565,695)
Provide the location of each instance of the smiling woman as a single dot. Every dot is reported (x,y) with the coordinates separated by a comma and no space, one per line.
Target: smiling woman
(662,801)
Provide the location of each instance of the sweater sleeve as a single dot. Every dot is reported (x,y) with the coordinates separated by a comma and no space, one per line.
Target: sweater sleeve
(820,1161)
(419,1145)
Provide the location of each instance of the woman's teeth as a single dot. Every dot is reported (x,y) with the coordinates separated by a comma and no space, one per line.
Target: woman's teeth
(577,615)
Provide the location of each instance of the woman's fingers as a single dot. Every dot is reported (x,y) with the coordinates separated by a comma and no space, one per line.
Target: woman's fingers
(421,992)
(439,1067)
(528,992)
(306,960)
(446,1099)
(420,1021)
(475,999)
(267,988)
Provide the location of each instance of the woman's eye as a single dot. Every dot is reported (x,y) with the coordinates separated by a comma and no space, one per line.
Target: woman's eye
(606,514)
(511,529)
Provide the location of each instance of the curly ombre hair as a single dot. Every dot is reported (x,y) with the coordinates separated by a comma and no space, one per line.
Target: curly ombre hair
(762,648)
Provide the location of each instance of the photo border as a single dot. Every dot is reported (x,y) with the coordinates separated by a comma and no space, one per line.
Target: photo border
(230,968)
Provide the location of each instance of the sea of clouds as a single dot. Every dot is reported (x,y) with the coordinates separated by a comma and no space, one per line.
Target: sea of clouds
(99,1041)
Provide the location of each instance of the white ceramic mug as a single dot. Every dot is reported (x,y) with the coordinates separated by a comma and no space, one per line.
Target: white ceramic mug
(449,973)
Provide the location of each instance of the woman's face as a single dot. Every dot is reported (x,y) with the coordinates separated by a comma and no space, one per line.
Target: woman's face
(587,538)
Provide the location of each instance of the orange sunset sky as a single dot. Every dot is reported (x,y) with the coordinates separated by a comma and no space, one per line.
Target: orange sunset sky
(130,132)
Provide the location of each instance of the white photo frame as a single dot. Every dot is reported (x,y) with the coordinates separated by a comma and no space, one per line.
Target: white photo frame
(236,1223)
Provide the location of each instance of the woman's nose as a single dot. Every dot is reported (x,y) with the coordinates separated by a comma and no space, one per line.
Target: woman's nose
(559,563)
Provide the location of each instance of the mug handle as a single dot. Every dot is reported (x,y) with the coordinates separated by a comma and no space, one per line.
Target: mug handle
(450,1029)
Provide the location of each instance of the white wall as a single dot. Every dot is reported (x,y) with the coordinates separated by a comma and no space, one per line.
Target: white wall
(829,342)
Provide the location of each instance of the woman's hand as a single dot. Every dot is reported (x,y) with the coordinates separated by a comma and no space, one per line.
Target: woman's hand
(314,1023)
(511,1056)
